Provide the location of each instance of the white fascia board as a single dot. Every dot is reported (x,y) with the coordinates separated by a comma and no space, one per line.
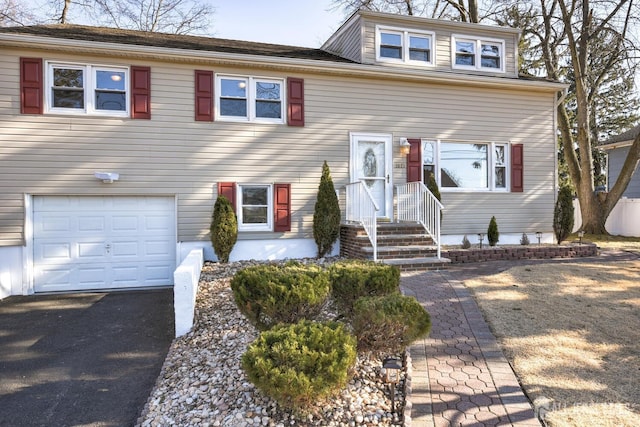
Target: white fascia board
(261,61)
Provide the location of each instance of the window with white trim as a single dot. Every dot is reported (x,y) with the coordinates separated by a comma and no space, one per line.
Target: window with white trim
(465,166)
(240,98)
(255,202)
(87,89)
(477,54)
(404,46)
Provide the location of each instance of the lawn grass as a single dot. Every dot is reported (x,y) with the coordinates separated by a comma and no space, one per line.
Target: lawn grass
(572,334)
(609,242)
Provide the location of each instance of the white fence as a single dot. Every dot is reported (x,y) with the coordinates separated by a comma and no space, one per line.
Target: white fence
(624,219)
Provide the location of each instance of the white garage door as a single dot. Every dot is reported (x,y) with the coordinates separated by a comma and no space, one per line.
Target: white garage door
(103,242)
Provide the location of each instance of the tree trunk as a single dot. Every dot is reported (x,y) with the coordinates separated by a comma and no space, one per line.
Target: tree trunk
(594,214)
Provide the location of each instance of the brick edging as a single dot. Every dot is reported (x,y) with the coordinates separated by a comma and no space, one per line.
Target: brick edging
(461,256)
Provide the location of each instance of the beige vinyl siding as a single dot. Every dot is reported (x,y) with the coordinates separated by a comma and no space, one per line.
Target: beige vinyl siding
(443,35)
(348,42)
(174,155)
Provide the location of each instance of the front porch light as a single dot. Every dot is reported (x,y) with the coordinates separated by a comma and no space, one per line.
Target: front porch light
(405,147)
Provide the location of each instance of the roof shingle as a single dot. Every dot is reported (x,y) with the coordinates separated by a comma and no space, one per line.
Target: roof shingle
(174,41)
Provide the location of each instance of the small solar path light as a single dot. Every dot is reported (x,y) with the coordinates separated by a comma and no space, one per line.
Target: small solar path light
(392,368)
(580,236)
(539,236)
(480,238)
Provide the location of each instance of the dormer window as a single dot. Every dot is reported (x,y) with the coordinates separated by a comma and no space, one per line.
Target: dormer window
(478,54)
(404,46)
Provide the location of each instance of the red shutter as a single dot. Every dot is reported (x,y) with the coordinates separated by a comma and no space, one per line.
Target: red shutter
(228,190)
(282,207)
(204,96)
(31,85)
(414,161)
(295,102)
(140,92)
(517,168)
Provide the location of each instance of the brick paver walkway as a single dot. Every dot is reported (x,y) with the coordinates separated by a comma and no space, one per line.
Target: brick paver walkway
(460,376)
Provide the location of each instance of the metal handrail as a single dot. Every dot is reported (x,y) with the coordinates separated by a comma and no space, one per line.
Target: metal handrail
(417,204)
(362,208)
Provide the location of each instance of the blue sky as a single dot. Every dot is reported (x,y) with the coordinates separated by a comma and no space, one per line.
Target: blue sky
(295,22)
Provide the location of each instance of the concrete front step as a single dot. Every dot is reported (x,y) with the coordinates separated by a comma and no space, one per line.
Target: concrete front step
(418,264)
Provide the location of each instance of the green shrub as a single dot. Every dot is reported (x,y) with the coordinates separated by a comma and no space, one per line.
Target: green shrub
(524,240)
(492,232)
(270,294)
(351,280)
(326,214)
(563,214)
(224,228)
(389,322)
(466,244)
(301,363)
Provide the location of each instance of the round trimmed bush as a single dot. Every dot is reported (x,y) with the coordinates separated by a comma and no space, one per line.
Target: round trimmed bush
(270,294)
(389,322)
(351,280)
(300,363)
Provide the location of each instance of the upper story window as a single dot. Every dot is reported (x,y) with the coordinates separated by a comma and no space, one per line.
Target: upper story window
(464,166)
(240,98)
(404,46)
(87,89)
(478,54)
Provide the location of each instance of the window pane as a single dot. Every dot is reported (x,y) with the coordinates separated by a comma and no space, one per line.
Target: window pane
(500,155)
(254,215)
(464,59)
(419,55)
(390,39)
(501,180)
(419,42)
(68,98)
(113,101)
(266,90)
(233,107)
(113,80)
(254,195)
(490,50)
(465,47)
(463,165)
(236,88)
(391,52)
(427,153)
(64,77)
(490,62)
(268,109)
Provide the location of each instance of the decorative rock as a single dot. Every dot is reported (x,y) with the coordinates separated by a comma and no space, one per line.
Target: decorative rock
(202,382)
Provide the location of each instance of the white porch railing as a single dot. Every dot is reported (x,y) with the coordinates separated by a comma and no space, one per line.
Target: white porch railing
(417,204)
(361,208)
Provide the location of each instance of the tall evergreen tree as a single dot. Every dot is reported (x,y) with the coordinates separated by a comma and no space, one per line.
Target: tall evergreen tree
(326,215)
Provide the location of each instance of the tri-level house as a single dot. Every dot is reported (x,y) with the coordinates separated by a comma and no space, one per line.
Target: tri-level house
(114,144)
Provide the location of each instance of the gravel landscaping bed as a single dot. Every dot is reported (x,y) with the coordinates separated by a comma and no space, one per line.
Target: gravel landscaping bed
(203,384)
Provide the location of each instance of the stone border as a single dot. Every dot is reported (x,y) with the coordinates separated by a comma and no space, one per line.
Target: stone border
(495,253)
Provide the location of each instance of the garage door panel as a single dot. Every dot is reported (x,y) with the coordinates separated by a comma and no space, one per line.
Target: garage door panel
(94,242)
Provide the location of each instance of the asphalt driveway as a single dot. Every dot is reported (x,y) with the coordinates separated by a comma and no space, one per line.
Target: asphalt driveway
(86,359)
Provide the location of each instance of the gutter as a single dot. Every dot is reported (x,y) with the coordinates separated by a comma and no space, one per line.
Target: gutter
(260,61)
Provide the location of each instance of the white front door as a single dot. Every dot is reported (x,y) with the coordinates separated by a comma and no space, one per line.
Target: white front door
(102,242)
(371,162)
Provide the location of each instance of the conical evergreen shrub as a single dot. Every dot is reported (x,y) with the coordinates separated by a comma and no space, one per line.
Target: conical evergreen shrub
(432,186)
(224,229)
(492,232)
(326,215)
(563,214)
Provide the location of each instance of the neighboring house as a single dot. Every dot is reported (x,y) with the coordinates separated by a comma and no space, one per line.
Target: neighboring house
(617,149)
(623,219)
(173,121)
